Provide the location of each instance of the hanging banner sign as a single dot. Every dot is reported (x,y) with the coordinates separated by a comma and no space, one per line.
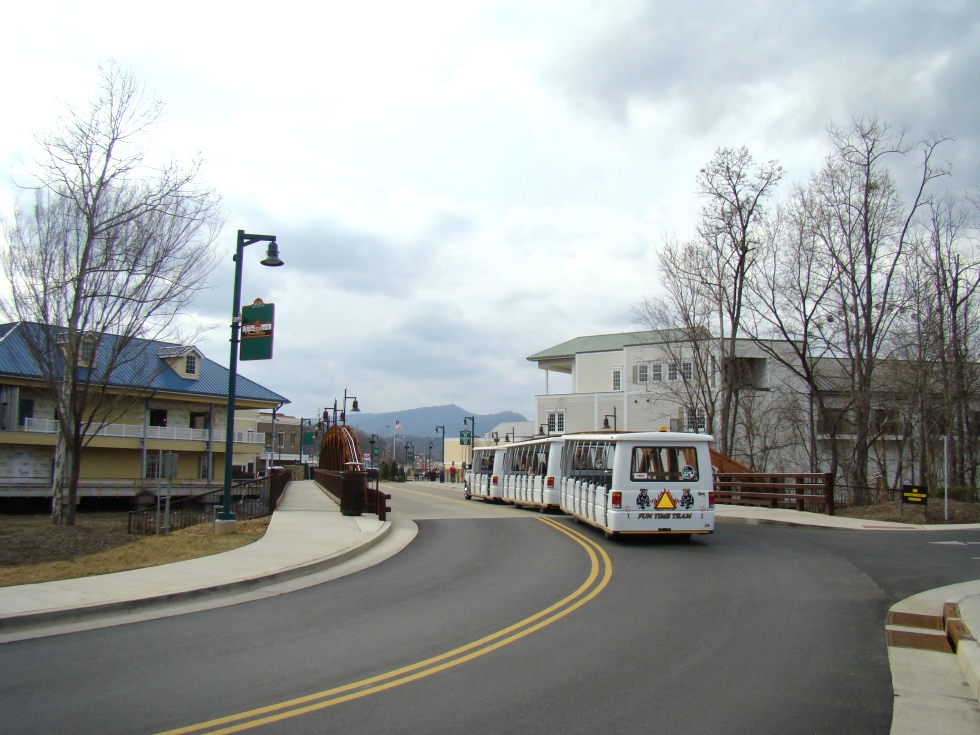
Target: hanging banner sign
(256,336)
(464,438)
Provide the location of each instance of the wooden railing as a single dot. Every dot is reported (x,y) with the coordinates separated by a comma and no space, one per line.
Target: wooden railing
(354,493)
(813,491)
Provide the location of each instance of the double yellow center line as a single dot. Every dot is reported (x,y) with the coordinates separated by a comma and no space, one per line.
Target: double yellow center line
(599,575)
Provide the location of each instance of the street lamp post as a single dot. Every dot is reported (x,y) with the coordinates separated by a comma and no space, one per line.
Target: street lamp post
(471,420)
(354,407)
(271,259)
(605,420)
(443,430)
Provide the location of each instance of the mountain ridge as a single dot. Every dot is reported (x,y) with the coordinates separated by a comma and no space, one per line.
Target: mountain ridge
(422,421)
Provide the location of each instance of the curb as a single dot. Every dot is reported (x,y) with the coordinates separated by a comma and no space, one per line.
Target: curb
(770,522)
(25,621)
(934,621)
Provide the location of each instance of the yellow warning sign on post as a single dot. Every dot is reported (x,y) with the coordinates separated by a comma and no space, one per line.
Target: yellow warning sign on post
(664,501)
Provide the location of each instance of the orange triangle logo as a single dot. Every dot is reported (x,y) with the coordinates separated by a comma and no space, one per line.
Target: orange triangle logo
(664,501)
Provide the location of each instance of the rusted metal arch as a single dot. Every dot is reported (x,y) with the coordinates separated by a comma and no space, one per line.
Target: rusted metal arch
(340,451)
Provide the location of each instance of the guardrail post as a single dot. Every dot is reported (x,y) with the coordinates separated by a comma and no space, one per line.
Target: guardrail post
(828,493)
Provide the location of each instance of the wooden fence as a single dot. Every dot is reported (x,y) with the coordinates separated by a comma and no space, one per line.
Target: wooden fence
(813,492)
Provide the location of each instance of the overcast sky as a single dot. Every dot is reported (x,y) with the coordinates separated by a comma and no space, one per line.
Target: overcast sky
(457,185)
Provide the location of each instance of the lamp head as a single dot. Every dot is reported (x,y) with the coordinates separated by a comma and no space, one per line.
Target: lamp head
(272,255)
(354,407)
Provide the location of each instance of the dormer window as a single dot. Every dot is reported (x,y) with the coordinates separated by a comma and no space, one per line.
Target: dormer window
(190,364)
(86,352)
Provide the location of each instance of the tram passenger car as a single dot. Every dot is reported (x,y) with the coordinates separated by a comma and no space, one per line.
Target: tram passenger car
(531,471)
(639,483)
(482,479)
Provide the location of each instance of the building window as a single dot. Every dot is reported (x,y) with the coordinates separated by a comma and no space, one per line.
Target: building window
(657,373)
(152,466)
(86,352)
(198,420)
(672,371)
(617,379)
(158,417)
(642,373)
(292,439)
(203,469)
(25,410)
(687,370)
(556,422)
(190,365)
(696,420)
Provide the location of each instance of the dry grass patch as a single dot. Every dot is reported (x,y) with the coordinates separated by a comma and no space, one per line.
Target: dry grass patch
(136,553)
(934,512)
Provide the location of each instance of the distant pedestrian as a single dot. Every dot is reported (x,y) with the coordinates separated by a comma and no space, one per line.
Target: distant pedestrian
(452,472)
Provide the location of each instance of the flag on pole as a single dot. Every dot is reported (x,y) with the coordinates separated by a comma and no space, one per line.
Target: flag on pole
(398,425)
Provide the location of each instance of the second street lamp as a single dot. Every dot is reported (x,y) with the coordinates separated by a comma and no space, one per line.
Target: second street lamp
(354,407)
(271,259)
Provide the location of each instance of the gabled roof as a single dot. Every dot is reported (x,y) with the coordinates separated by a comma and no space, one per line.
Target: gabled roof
(142,366)
(169,350)
(612,343)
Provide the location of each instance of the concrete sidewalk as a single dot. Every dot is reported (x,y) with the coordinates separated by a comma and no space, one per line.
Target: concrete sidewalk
(781,517)
(307,534)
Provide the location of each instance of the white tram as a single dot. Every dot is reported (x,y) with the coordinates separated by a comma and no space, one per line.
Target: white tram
(639,483)
(653,482)
(482,479)
(531,471)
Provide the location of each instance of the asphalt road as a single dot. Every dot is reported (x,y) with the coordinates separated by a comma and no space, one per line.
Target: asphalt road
(498,621)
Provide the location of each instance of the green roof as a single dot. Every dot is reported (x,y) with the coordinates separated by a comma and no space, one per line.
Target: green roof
(610,343)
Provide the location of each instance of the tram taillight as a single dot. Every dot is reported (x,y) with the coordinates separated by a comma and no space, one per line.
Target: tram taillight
(617,500)
(711,499)
(494,480)
(551,483)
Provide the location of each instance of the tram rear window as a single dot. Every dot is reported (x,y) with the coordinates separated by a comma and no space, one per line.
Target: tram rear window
(664,464)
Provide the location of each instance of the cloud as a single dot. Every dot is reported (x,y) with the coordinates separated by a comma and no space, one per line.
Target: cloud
(455,186)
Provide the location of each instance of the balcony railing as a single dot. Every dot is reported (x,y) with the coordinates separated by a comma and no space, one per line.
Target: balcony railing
(135,431)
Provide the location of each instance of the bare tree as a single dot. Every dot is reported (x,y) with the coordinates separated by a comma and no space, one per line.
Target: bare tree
(111,248)
(734,190)
(684,316)
(786,316)
(865,225)
(940,339)
(711,271)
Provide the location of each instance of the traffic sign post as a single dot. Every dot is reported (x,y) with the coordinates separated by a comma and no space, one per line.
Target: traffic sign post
(465,437)
(914,495)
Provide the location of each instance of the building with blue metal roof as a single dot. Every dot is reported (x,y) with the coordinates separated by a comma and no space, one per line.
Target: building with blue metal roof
(165,415)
